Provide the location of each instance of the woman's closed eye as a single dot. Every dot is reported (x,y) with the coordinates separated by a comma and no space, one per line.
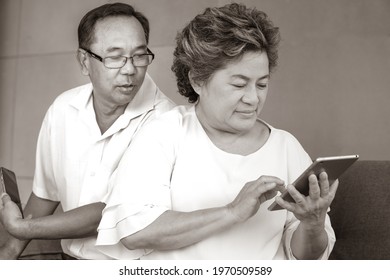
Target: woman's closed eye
(239,85)
(262,86)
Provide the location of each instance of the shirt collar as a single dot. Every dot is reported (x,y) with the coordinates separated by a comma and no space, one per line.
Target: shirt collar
(142,102)
(81,99)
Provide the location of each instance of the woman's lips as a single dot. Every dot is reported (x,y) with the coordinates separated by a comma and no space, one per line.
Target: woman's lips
(247,113)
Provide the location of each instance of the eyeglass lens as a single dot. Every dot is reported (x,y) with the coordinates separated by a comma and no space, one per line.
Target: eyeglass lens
(120,61)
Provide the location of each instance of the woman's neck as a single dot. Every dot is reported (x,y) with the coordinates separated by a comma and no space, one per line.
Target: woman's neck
(237,142)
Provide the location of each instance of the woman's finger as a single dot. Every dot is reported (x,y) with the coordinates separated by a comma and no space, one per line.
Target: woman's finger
(333,189)
(324,184)
(314,188)
(296,195)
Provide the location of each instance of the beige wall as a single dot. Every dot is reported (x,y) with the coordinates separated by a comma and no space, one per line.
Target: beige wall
(331,89)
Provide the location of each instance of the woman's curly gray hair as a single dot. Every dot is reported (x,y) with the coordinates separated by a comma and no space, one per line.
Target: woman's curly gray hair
(217,37)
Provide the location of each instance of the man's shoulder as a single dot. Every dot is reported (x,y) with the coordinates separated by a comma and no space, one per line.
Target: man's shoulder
(68,96)
(168,125)
(175,118)
(72,98)
(163,103)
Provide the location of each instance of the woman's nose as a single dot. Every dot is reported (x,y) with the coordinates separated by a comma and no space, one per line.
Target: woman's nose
(251,96)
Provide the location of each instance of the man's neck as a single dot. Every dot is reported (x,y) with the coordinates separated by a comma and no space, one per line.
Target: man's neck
(107,115)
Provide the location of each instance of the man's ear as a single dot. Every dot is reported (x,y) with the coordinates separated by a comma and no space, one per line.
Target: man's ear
(197,86)
(83,61)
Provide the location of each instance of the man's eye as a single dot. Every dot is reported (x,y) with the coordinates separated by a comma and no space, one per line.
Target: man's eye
(115,58)
(238,85)
(262,86)
(140,56)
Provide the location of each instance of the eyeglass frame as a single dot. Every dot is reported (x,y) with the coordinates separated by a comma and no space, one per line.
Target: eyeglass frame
(101,59)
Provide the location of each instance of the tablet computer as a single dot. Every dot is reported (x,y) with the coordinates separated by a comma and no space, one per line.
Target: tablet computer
(9,185)
(333,166)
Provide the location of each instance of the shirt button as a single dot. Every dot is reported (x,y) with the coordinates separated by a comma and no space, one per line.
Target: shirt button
(92,174)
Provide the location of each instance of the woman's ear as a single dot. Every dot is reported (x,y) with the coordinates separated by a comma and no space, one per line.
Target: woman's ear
(83,61)
(195,85)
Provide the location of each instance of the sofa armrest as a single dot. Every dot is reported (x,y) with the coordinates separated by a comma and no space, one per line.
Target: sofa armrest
(360,212)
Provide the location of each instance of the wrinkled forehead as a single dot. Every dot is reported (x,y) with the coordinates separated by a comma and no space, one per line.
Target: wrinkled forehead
(118,31)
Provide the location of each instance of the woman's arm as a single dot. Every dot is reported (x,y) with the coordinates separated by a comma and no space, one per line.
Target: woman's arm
(309,242)
(173,230)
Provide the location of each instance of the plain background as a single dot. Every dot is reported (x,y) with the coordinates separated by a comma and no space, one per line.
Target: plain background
(331,88)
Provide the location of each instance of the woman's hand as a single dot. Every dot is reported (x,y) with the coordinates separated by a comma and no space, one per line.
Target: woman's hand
(311,210)
(252,195)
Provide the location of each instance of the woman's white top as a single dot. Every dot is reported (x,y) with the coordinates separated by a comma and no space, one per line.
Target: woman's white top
(172,164)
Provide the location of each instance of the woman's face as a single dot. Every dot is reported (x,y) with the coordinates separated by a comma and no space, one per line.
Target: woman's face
(233,97)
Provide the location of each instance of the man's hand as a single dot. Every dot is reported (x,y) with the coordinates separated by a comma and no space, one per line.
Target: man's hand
(253,194)
(12,247)
(10,216)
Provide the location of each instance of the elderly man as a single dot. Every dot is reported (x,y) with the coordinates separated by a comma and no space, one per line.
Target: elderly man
(85,133)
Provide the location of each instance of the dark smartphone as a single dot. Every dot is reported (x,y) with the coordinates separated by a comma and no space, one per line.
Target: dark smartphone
(9,185)
(333,166)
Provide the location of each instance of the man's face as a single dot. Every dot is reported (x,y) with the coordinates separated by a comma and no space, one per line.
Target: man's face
(115,36)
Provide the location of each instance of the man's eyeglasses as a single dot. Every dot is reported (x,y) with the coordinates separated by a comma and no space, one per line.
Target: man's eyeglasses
(116,62)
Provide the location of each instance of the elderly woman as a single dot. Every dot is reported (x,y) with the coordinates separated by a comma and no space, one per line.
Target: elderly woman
(196,183)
